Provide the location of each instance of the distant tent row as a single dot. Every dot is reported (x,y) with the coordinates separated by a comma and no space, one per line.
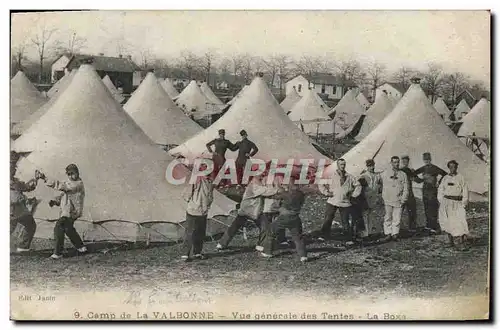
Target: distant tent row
(258,112)
(116,148)
(412,128)
(154,111)
(25,99)
(194,102)
(127,195)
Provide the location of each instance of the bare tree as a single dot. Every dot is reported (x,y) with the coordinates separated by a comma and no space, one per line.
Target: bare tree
(146,58)
(225,66)
(307,65)
(189,62)
(325,64)
(452,85)
(350,73)
(278,68)
(376,74)
(161,66)
(74,44)
(432,81)
(270,65)
(248,65)
(237,63)
(18,56)
(208,60)
(41,40)
(403,76)
(284,69)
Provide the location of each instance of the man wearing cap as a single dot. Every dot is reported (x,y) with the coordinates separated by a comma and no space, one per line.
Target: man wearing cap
(372,184)
(341,188)
(219,154)
(430,173)
(411,204)
(19,212)
(395,194)
(246,149)
(453,196)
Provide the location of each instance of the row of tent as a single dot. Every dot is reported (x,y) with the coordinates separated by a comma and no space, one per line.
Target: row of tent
(315,117)
(123,168)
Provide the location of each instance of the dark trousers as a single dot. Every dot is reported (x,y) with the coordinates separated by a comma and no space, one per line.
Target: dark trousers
(65,226)
(218,166)
(28,233)
(196,228)
(357,222)
(431,208)
(294,226)
(411,207)
(237,224)
(265,221)
(345,212)
(240,169)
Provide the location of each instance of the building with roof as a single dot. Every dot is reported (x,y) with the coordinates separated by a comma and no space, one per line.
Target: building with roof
(326,85)
(393,89)
(122,70)
(472,97)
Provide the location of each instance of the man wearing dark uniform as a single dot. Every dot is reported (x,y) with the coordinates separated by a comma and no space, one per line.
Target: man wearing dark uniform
(430,173)
(219,154)
(411,204)
(246,150)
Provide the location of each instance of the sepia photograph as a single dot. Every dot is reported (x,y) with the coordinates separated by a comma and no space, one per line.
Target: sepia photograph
(250,165)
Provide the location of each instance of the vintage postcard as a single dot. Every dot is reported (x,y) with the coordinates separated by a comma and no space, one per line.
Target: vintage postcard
(250,165)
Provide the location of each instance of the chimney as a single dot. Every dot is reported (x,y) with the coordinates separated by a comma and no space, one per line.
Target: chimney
(415,80)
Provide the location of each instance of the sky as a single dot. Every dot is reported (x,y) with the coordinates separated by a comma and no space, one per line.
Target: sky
(459,40)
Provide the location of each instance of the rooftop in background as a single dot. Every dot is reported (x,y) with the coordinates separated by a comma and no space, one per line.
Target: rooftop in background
(328,79)
(400,87)
(104,63)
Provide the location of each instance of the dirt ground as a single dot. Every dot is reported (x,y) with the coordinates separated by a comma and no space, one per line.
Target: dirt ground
(416,267)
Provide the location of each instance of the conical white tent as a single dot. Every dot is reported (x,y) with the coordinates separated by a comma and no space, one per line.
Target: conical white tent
(442,109)
(257,112)
(477,121)
(361,98)
(237,96)
(127,196)
(25,99)
(394,99)
(461,110)
(348,111)
(21,127)
(290,100)
(412,128)
(158,116)
(210,94)
(113,90)
(57,86)
(194,102)
(375,114)
(168,86)
(310,113)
